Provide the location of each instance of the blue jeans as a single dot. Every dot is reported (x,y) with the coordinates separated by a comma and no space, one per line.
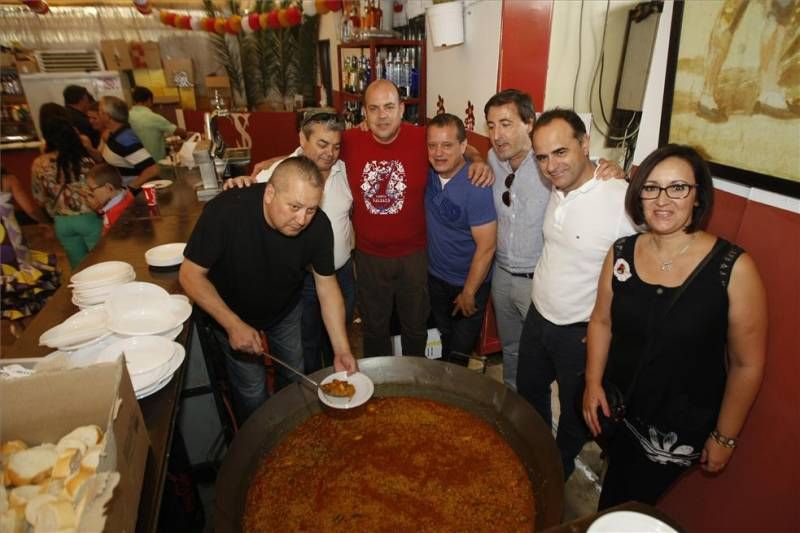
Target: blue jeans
(550,352)
(459,333)
(317,349)
(247,373)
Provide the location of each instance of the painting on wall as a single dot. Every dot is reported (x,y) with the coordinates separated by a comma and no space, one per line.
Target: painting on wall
(733,89)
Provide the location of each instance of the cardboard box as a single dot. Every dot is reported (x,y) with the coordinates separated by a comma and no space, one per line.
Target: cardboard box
(50,403)
(178,72)
(146,55)
(116,54)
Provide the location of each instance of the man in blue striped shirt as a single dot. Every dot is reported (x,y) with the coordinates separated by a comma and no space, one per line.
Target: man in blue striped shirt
(124,149)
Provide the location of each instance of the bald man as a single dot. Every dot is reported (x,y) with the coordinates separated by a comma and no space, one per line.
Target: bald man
(387,169)
(245,264)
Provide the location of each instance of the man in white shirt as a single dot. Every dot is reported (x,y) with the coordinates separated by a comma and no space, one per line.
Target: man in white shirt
(321,140)
(584,216)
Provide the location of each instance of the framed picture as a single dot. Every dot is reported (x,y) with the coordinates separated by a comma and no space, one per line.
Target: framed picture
(733,89)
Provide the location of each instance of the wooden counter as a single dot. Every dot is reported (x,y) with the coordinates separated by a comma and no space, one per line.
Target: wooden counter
(140,228)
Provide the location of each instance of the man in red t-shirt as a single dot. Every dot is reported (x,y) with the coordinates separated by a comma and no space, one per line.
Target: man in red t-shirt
(387,169)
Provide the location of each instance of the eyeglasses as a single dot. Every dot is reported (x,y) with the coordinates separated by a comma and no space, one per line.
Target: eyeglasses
(320,118)
(676,191)
(507,193)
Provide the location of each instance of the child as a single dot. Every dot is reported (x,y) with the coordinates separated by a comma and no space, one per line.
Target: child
(106,185)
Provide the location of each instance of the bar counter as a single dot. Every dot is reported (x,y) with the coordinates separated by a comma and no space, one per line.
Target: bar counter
(140,228)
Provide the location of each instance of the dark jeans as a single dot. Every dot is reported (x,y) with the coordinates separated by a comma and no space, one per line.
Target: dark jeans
(317,349)
(384,281)
(247,373)
(549,352)
(459,333)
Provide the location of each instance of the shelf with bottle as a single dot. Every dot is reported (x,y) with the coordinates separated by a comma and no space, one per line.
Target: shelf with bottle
(401,61)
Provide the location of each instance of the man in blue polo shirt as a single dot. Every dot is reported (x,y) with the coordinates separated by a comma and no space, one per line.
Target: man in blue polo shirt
(462,232)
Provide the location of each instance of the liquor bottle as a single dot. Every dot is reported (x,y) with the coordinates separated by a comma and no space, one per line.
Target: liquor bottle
(379,64)
(414,74)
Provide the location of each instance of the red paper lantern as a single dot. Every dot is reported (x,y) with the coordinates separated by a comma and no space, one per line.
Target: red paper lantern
(334,5)
(170,19)
(254,21)
(263,20)
(234,24)
(272,19)
(162,15)
(294,15)
(207,24)
(184,22)
(322,6)
(219,25)
(283,18)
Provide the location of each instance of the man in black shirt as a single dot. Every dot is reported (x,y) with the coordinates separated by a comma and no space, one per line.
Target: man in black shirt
(77,101)
(244,265)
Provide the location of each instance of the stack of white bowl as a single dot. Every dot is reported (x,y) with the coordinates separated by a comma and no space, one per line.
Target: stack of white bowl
(139,308)
(82,329)
(151,361)
(92,286)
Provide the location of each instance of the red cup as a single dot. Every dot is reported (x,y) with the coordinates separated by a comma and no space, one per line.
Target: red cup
(150,194)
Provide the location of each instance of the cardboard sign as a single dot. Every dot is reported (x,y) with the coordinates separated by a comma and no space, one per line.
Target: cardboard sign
(179,73)
(146,55)
(116,54)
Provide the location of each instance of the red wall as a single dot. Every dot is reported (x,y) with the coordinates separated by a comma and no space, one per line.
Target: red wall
(760,488)
(524,47)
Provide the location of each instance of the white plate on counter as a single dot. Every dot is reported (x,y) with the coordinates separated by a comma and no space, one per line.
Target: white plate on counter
(628,522)
(174,364)
(165,255)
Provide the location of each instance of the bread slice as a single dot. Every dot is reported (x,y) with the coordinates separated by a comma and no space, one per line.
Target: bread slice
(32,466)
(54,516)
(73,484)
(13,521)
(34,503)
(3,499)
(19,496)
(66,444)
(68,462)
(91,460)
(89,435)
(11,447)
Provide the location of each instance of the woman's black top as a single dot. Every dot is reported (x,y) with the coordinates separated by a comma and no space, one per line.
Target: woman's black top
(677,396)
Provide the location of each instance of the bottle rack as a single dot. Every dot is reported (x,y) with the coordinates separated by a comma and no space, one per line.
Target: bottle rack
(15,114)
(372,57)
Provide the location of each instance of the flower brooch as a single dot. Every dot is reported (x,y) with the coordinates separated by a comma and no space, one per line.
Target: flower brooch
(622,270)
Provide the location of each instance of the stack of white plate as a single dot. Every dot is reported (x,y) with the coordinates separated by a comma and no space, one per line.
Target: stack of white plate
(139,308)
(82,329)
(91,286)
(151,361)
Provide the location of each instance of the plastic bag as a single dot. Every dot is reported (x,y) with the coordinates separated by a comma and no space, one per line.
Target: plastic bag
(186,153)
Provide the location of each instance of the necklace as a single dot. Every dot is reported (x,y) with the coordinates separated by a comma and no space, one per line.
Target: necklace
(666,266)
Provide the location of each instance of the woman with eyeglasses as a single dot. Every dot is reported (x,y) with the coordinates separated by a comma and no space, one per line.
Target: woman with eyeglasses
(679,328)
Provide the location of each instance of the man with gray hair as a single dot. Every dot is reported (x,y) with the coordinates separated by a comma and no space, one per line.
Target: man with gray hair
(245,265)
(124,149)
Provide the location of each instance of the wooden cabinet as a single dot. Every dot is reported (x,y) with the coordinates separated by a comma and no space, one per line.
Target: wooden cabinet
(399,60)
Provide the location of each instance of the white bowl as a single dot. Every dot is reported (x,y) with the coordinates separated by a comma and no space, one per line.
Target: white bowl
(83,326)
(146,357)
(165,255)
(180,307)
(133,295)
(142,321)
(628,521)
(101,274)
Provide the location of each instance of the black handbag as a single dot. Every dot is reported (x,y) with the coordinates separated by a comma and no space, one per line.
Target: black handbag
(617,401)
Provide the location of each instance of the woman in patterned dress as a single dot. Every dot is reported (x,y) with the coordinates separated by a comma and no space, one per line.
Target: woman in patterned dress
(58,183)
(690,358)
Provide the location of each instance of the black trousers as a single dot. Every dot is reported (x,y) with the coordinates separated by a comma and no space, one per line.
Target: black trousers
(459,333)
(550,352)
